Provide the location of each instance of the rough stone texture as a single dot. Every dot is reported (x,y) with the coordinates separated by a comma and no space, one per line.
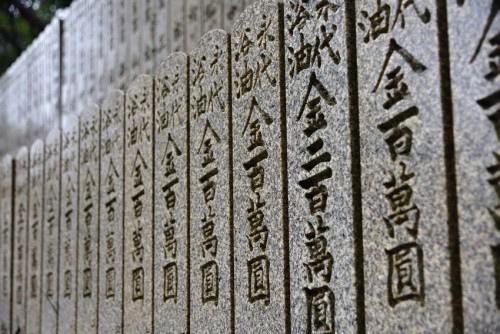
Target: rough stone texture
(138,247)
(112,38)
(6,170)
(68,231)
(406,261)
(123,45)
(232,9)
(210,185)
(88,221)
(194,23)
(21,207)
(51,228)
(162,28)
(472,29)
(171,239)
(148,9)
(177,15)
(111,214)
(134,25)
(319,169)
(211,15)
(260,215)
(35,237)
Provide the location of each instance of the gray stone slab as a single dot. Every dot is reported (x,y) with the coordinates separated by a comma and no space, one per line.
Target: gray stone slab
(259,211)
(473,30)
(35,238)
(21,211)
(162,31)
(6,177)
(102,50)
(194,22)
(111,214)
(123,45)
(51,228)
(112,38)
(177,17)
(88,221)
(171,244)
(68,231)
(148,11)
(319,169)
(139,223)
(210,186)
(212,15)
(405,233)
(232,9)
(135,25)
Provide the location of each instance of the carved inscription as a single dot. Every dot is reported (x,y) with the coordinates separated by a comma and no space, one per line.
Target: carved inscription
(171,152)
(6,170)
(21,211)
(68,226)
(88,220)
(51,227)
(259,213)
(111,213)
(35,235)
(210,184)
(138,206)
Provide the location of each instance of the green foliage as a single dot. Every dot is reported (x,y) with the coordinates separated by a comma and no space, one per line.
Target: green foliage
(20,22)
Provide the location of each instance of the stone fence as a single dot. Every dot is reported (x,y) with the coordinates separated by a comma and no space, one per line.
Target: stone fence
(328,166)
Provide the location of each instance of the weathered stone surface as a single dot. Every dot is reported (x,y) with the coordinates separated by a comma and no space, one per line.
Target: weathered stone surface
(111,214)
(68,231)
(6,233)
(473,29)
(171,238)
(21,211)
(139,223)
(260,240)
(162,30)
(211,15)
(51,228)
(177,16)
(135,24)
(210,186)
(35,237)
(232,9)
(194,23)
(148,9)
(405,233)
(123,45)
(319,169)
(88,221)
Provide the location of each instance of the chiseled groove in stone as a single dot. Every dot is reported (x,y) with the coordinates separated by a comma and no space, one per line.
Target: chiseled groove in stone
(68,232)
(473,83)
(88,222)
(210,186)
(35,237)
(6,239)
(51,232)
(171,238)
(319,168)
(261,277)
(111,213)
(139,222)
(402,154)
(21,212)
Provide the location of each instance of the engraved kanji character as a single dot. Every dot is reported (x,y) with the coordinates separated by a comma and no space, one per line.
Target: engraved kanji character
(488,102)
(397,89)
(210,283)
(264,36)
(245,80)
(299,20)
(320,310)
(138,284)
(209,185)
(495,252)
(406,274)
(494,58)
(256,176)
(110,209)
(400,137)
(399,196)
(495,9)
(109,289)
(379,22)
(424,16)
(494,181)
(208,153)
(320,266)
(244,43)
(208,223)
(87,283)
(169,195)
(258,280)
(138,251)
(67,284)
(201,103)
(170,282)
(136,199)
(209,246)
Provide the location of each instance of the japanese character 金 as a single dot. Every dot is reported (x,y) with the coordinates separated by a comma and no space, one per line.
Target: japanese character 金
(258,280)
(405,279)
(320,310)
(403,210)
(397,89)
